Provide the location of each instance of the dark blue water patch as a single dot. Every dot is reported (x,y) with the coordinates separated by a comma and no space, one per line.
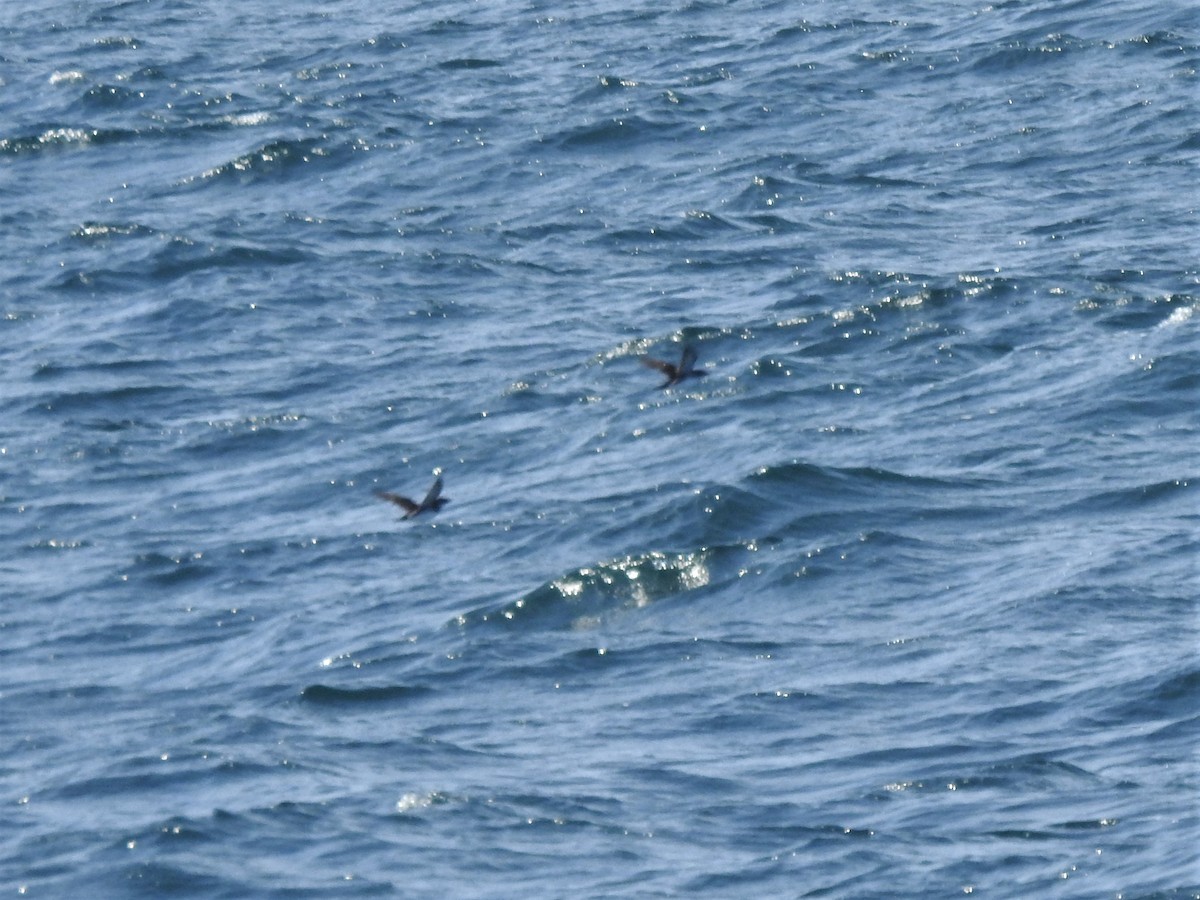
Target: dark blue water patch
(173,571)
(1117,308)
(628,133)
(101,368)
(1168,699)
(109,96)
(1183,731)
(116,403)
(1034,771)
(817,487)
(469,63)
(594,666)
(75,282)
(162,879)
(154,879)
(175,848)
(59,855)
(948,769)
(1124,601)
(695,224)
(123,257)
(865,511)
(109,109)
(146,776)
(1022,715)
(768,875)
(31,702)
(1189,144)
(765,712)
(1174,492)
(1158,391)
(558,814)
(451,26)
(89,640)
(180,258)
(1080,225)
(951,352)
(667,781)
(345,697)
(1174,373)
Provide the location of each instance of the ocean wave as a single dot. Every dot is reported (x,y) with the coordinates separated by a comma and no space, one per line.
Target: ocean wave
(630,131)
(98,231)
(112,401)
(1177,490)
(142,254)
(174,569)
(60,370)
(110,96)
(177,258)
(843,482)
(274,159)
(82,136)
(216,437)
(69,76)
(60,137)
(587,596)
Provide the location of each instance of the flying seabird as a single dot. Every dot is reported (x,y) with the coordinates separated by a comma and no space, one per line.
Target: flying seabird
(433,500)
(676,373)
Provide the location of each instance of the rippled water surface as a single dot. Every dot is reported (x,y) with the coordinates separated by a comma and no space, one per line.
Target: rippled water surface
(899,600)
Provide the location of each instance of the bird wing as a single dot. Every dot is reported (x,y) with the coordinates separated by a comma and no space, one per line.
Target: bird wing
(666,368)
(434,493)
(403,502)
(688,360)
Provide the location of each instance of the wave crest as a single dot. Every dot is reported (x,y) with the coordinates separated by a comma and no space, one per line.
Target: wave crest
(585,597)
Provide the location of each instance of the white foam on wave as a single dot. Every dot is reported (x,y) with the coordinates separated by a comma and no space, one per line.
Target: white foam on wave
(244,119)
(71,76)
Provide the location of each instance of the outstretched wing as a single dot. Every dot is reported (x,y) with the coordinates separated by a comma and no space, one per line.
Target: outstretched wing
(403,502)
(434,493)
(688,360)
(666,368)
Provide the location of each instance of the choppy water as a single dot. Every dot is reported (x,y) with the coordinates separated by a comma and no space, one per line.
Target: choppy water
(899,601)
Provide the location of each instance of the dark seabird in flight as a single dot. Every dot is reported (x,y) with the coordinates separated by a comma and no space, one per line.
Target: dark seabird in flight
(676,373)
(433,500)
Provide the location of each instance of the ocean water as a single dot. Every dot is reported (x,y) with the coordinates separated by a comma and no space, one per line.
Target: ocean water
(902,599)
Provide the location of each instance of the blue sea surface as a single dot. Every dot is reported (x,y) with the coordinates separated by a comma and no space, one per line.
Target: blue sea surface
(901,599)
